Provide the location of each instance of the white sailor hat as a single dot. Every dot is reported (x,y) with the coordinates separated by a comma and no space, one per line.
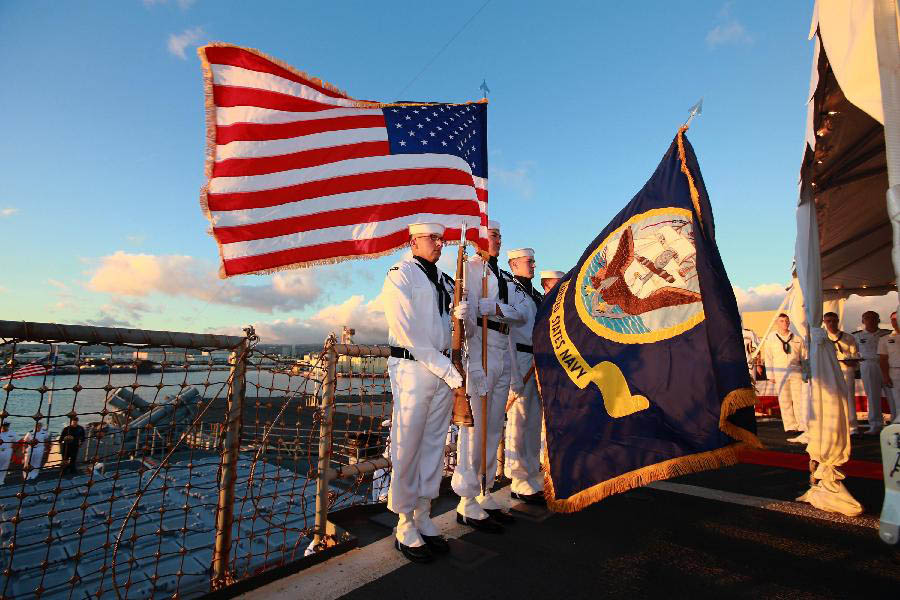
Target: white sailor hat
(552,274)
(426,229)
(494,225)
(520,252)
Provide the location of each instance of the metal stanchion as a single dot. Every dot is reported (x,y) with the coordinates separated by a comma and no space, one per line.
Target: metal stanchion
(324,464)
(225,508)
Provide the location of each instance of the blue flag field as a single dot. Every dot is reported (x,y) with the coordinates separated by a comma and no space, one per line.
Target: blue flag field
(638,349)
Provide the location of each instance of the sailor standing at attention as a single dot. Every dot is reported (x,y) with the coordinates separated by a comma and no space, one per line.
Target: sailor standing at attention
(847,351)
(416,298)
(870,368)
(476,507)
(889,358)
(37,444)
(7,440)
(523,427)
(784,357)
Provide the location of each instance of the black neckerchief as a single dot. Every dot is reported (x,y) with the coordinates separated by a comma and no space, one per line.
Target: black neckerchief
(431,272)
(785,344)
(837,341)
(525,282)
(501,282)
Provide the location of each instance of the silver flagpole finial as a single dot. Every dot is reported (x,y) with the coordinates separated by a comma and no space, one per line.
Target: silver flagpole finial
(484,88)
(695,111)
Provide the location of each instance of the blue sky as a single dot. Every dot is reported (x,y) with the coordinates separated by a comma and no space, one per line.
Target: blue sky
(102,152)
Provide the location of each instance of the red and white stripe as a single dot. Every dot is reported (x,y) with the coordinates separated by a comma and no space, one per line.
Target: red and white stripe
(29,370)
(300,174)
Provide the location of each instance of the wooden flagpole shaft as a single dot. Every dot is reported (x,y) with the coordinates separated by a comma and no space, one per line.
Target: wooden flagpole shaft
(484,398)
(462,410)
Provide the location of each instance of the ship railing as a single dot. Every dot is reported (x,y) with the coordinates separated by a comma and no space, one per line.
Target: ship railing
(191,478)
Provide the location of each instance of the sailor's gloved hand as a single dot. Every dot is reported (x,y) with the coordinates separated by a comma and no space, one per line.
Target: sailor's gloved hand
(461,310)
(454,379)
(476,383)
(487,307)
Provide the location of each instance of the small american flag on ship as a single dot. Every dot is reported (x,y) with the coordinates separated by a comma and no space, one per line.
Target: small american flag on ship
(301,174)
(29,370)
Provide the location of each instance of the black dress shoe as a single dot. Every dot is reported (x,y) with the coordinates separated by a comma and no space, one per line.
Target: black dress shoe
(437,543)
(487,525)
(419,554)
(500,516)
(535,498)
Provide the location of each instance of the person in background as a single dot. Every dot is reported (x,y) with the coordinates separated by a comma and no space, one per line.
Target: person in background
(889,361)
(785,354)
(751,343)
(847,351)
(870,367)
(7,439)
(70,440)
(523,428)
(550,279)
(37,444)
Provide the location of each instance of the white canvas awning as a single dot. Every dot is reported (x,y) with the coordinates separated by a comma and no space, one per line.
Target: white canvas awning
(845,162)
(845,237)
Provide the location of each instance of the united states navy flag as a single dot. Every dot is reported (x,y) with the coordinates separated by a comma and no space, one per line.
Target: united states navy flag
(639,352)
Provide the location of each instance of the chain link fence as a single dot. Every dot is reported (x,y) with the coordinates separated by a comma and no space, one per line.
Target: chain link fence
(146,464)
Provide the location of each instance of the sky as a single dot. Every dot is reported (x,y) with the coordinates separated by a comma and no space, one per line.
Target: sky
(102,153)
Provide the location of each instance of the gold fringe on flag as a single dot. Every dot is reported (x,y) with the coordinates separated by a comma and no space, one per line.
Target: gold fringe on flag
(674,467)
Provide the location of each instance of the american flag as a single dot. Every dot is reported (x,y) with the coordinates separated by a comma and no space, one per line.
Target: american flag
(29,370)
(301,174)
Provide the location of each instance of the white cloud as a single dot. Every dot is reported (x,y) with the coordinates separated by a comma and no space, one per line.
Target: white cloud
(728,30)
(104,319)
(518,178)
(767,296)
(57,284)
(140,275)
(136,239)
(366,317)
(8,211)
(179,41)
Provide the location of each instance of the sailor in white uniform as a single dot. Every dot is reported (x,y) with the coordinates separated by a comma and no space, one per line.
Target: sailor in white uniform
(7,439)
(870,369)
(37,442)
(847,351)
(751,343)
(416,298)
(785,354)
(889,359)
(477,509)
(524,417)
(550,278)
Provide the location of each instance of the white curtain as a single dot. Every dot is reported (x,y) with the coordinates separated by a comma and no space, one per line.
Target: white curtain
(829,435)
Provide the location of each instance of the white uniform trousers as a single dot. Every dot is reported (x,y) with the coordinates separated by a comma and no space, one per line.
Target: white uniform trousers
(34,456)
(5,456)
(421,412)
(850,381)
(523,435)
(791,400)
(894,395)
(870,371)
(466,479)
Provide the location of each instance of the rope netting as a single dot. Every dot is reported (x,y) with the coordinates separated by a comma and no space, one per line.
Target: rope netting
(114,457)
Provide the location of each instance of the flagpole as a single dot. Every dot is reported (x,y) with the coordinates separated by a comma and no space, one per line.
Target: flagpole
(52,385)
(484,397)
